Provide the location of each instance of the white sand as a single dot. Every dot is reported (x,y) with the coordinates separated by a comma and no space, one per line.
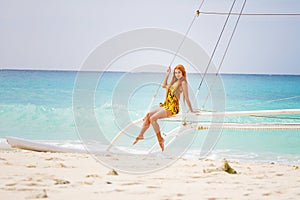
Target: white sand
(32,175)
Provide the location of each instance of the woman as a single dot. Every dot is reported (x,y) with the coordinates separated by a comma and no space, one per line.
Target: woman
(170,107)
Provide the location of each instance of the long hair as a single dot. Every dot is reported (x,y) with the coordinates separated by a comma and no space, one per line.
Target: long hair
(174,79)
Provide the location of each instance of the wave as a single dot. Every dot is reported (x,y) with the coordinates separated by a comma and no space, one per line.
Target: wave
(36,121)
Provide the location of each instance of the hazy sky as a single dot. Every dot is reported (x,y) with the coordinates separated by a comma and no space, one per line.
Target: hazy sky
(60,34)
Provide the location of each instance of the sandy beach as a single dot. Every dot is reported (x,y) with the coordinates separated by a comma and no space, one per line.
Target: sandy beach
(35,175)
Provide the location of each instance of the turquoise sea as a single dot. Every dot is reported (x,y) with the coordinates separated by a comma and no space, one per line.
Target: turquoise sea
(39,105)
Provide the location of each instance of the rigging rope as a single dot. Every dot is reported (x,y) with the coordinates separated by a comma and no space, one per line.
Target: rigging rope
(276,117)
(251,14)
(225,53)
(263,102)
(186,33)
(217,44)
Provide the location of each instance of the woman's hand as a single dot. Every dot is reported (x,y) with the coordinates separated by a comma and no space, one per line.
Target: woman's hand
(168,70)
(195,111)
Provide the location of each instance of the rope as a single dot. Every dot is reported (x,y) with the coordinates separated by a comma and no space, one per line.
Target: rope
(217,44)
(276,117)
(225,53)
(264,102)
(186,33)
(176,53)
(251,14)
(252,126)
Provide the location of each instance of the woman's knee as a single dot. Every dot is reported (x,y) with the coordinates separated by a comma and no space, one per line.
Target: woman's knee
(147,119)
(152,119)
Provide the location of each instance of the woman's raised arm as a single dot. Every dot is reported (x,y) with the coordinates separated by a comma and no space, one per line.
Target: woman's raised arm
(165,82)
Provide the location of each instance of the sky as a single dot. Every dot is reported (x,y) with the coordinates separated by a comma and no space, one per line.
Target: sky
(61,34)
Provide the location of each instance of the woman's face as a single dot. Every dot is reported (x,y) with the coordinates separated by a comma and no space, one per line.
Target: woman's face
(178,74)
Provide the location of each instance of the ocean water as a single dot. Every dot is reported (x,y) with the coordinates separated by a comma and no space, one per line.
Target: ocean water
(39,105)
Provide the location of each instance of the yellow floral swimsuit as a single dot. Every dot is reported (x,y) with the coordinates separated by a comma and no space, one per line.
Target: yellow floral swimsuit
(171,103)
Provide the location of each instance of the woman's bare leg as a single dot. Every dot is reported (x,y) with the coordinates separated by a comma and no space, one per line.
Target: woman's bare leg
(162,113)
(145,126)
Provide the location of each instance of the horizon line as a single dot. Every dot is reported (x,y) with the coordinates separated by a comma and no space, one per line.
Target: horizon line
(120,71)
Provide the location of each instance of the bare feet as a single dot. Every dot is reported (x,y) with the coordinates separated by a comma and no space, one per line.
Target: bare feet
(160,141)
(161,144)
(137,139)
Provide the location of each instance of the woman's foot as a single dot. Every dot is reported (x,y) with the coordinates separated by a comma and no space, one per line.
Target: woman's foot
(160,141)
(137,139)
(161,144)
